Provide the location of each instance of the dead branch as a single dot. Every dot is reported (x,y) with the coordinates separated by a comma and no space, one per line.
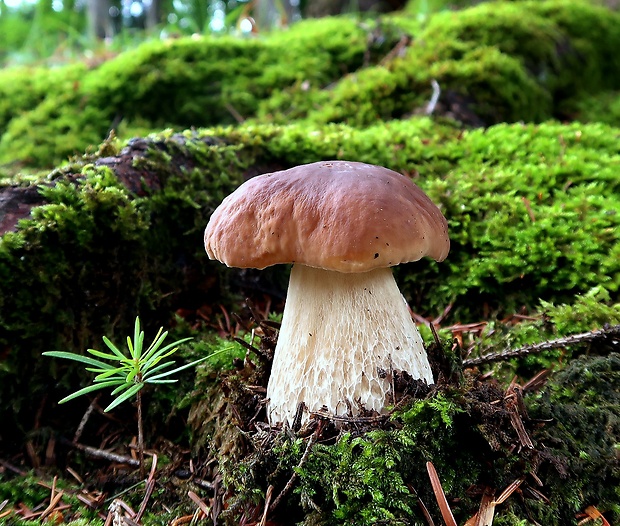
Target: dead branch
(100,453)
(574,339)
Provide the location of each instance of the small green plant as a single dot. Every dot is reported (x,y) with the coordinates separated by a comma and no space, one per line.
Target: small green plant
(129,372)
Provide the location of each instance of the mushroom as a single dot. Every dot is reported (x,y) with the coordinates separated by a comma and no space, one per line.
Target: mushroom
(345,323)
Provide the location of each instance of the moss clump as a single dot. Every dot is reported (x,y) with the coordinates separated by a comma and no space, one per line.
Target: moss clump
(531,209)
(495,62)
(182,83)
(583,402)
(97,254)
(499,61)
(23,88)
(598,107)
(372,476)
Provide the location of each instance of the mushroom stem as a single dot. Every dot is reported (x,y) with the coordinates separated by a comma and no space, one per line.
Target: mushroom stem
(341,336)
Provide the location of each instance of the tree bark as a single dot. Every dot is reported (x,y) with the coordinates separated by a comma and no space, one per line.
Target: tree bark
(153,15)
(321,8)
(99,21)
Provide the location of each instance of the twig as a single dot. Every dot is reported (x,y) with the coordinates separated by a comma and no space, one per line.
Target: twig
(446,512)
(237,116)
(512,487)
(55,499)
(575,339)
(528,207)
(7,512)
(199,502)
(422,506)
(434,98)
(350,419)
(435,335)
(517,424)
(268,495)
(486,512)
(397,51)
(100,453)
(11,467)
(85,417)
(294,476)
(150,486)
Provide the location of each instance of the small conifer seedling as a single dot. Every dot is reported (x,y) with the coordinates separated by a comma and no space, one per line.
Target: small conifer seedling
(128,372)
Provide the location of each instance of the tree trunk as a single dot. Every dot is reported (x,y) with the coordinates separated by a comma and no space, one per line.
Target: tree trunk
(99,21)
(271,14)
(321,8)
(153,15)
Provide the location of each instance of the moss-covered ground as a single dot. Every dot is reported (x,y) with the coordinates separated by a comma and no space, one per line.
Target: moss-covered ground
(522,154)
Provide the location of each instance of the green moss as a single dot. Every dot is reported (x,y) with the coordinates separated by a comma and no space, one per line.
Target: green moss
(181,83)
(532,209)
(377,476)
(587,312)
(495,62)
(583,402)
(97,255)
(532,213)
(598,107)
(70,124)
(23,88)
(499,61)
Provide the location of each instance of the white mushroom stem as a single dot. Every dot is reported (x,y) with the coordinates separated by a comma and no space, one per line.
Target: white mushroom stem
(341,333)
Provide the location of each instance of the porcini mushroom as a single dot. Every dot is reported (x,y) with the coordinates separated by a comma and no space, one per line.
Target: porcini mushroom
(345,323)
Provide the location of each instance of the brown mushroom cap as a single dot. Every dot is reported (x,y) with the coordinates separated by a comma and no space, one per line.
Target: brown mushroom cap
(336,215)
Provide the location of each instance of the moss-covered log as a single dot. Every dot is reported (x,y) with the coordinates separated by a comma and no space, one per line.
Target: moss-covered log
(532,213)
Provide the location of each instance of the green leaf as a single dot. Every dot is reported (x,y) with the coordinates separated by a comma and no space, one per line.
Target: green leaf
(130,347)
(88,389)
(111,372)
(158,368)
(106,356)
(154,352)
(132,374)
(156,343)
(186,366)
(136,336)
(126,395)
(125,385)
(113,348)
(77,358)
(162,381)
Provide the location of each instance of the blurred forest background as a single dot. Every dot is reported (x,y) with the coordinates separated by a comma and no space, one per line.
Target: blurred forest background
(57,31)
